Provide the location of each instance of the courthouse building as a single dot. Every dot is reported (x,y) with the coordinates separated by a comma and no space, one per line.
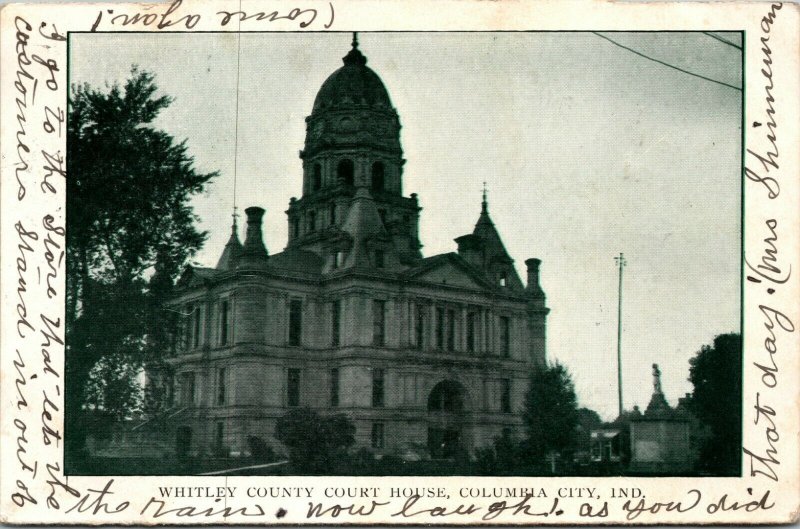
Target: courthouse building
(423,353)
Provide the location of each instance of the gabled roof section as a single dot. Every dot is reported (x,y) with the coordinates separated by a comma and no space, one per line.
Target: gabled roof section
(195,276)
(296,260)
(448,268)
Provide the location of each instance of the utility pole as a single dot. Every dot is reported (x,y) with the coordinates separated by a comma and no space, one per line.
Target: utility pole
(621,262)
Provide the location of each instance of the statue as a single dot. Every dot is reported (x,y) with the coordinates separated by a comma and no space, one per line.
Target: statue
(656,379)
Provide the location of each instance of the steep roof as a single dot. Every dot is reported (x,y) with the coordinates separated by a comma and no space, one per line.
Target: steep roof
(232,251)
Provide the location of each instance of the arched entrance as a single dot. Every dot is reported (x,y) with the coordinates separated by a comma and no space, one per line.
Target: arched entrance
(445,410)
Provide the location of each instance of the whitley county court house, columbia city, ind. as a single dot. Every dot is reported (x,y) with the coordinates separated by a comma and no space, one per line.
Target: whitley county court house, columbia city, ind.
(429,354)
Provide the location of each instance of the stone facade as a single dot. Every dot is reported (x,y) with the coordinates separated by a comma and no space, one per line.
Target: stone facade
(425,354)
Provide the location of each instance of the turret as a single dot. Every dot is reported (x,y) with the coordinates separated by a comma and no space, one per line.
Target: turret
(233,250)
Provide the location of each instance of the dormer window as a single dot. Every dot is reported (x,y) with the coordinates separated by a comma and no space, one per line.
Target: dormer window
(338,258)
(503,280)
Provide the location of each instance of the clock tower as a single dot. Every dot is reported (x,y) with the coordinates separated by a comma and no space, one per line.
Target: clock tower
(352,148)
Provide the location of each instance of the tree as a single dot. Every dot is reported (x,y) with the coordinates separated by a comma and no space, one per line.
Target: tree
(128,215)
(550,414)
(316,443)
(716,374)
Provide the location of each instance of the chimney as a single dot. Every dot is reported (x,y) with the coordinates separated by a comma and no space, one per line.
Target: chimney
(253,252)
(534,288)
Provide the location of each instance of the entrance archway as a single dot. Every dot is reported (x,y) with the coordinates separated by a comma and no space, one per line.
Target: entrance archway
(445,410)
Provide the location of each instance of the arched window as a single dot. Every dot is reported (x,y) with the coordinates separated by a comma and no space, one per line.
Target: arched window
(345,171)
(317,177)
(446,396)
(332,214)
(312,221)
(378,176)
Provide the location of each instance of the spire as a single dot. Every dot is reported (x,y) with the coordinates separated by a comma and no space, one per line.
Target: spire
(233,248)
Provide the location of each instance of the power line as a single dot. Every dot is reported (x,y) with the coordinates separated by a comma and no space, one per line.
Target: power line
(665,63)
(729,43)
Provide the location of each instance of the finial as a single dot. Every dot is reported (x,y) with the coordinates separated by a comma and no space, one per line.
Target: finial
(484,203)
(235,216)
(354,57)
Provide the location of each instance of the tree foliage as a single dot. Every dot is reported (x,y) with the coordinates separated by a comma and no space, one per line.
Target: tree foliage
(130,229)
(316,443)
(550,414)
(716,374)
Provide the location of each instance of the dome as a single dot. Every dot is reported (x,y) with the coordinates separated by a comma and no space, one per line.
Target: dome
(353,83)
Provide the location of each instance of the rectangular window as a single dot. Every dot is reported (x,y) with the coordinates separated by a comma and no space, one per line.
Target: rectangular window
(220,437)
(505,336)
(380,259)
(187,389)
(336,322)
(505,395)
(223,320)
(377,388)
(221,386)
(420,326)
(293,387)
(196,327)
(334,387)
(440,328)
(471,331)
(295,321)
(379,322)
(377,435)
(451,330)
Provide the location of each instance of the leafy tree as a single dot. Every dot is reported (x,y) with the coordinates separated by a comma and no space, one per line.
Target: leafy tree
(550,414)
(716,374)
(128,216)
(500,459)
(587,420)
(316,443)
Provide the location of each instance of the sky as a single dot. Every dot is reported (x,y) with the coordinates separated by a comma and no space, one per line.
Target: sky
(587,150)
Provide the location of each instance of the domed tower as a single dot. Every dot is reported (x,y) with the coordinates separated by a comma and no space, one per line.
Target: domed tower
(353,142)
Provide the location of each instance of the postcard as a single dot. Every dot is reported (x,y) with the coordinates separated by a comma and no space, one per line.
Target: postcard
(407,262)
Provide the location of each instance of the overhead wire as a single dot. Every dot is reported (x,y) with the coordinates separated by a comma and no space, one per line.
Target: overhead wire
(725,41)
(640,54)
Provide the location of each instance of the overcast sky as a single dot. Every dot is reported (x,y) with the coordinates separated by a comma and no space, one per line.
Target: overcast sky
(587,150)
